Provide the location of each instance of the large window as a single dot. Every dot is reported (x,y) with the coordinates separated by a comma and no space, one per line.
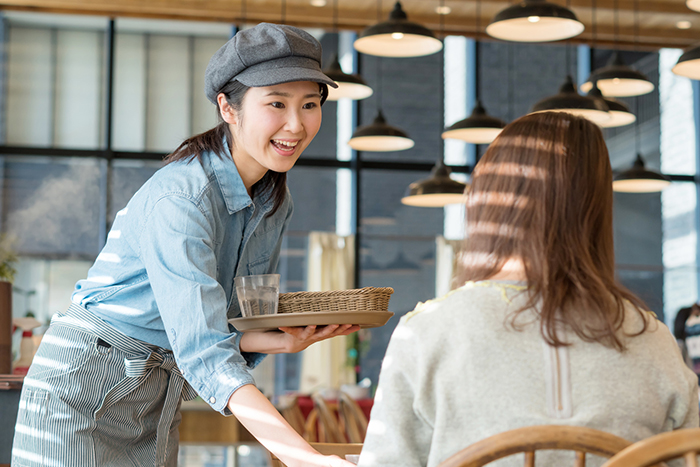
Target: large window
(89,108)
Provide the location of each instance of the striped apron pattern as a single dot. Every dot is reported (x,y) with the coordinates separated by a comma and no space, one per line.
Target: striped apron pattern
(96,397)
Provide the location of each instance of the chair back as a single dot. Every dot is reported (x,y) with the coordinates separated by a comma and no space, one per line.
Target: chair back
(353,418)
(676,444)
(329,430)
(291,412)
(528,440)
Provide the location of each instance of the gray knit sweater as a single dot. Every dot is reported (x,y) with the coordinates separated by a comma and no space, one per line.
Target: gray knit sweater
(455,373)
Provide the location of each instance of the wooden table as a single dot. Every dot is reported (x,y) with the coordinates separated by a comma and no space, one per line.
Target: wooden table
(201,424)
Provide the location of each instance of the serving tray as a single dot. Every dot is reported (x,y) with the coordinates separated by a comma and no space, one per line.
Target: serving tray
(365,319)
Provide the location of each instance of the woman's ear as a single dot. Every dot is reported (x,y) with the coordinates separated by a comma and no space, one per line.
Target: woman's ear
(228,114)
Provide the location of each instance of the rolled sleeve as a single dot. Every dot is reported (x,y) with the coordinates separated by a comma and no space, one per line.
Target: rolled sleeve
(177,249)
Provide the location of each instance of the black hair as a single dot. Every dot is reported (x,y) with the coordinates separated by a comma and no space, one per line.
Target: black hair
(213,140)
(679,322)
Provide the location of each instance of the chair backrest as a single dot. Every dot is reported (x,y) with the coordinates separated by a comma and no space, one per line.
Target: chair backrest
(291,412)
(354,419)
(329,430)
(528,440)
(659,448)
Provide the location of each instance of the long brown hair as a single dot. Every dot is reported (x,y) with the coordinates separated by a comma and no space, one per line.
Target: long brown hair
(542,193)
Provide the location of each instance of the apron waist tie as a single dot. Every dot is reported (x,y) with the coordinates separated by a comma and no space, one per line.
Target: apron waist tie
(140,362)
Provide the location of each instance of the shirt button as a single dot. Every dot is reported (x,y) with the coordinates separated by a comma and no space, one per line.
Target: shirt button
(212,400)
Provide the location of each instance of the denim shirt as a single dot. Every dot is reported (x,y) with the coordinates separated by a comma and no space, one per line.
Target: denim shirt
(165,275)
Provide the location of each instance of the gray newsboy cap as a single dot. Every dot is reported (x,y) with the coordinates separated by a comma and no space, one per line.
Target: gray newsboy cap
(265,55)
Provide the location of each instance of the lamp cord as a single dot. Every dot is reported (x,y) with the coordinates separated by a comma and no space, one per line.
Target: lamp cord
(243,12)
(441,84)
(284,11)
(616,28)
(335,16)
(637,142)
(568,47)
(510,66)
(477,81)
(379,11)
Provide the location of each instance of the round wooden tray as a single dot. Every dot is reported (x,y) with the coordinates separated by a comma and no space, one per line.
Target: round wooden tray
(365,319)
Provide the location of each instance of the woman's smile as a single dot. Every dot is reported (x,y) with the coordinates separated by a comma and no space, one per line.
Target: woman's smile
(285,147)
(274,126)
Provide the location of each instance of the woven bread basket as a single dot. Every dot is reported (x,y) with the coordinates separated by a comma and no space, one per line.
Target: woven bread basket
(365,299)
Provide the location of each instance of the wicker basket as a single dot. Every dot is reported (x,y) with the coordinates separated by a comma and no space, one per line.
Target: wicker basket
(365,299)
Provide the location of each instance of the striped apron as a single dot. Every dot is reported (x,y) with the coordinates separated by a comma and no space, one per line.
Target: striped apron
(96,397)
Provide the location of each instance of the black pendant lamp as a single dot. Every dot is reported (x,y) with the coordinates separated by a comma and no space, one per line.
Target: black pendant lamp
(380,137)
(479,127)
(436,191)
(619,80)
(568,100)
(397,37)
(620,114)
(349,86)
(639,179)
(689,63)
(535,21)
(439,189)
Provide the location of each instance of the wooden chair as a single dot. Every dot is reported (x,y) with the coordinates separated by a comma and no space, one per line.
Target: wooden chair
(659,448)
(339,449)
(329,430)
(353,418)
(529,439)
(291,412)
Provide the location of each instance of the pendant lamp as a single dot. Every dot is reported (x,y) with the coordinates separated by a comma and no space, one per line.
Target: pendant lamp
(689,63)
(568,100)
(535,21)
(693,4)
(397,37)
(478,128)
(620,114)
(380,137)
(619,80)
(349,86)
(638,179)
(438,190)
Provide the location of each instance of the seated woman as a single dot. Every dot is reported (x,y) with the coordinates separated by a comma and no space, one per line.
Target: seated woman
(539,332)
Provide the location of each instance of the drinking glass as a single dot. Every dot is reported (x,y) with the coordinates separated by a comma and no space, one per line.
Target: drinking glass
(258,295)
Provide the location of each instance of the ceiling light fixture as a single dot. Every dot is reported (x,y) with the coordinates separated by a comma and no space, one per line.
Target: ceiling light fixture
(568,100)
(436,191)
(379,136)
(693,4)
(349,86)
(318,3)
(617,79)
(439,189)
(689,64)
(639,179)
(397,37)
(479,127)
(535,21)
(684,24)
(443,10)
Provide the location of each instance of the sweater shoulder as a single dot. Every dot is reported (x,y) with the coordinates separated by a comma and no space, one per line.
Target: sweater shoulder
(472,297)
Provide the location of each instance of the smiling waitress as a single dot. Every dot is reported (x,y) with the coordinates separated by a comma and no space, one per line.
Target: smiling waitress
(148,327)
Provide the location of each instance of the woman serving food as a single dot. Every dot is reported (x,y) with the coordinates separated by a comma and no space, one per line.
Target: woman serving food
(149,327)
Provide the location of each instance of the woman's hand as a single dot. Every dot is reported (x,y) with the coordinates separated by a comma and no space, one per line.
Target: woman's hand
(291,339)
